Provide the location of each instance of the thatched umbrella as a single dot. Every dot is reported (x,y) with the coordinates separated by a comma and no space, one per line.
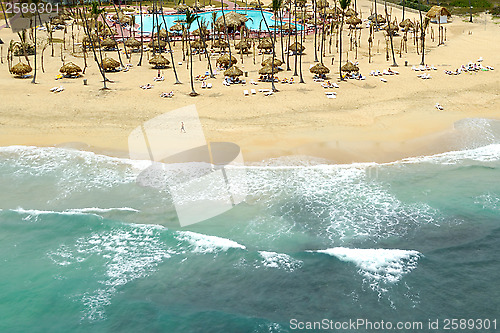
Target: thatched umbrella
(108,43)
(109,64)
(159,61)
(297,47)
(233,20)
(233,72)
(86,40)
(133,43)
(319,69)
(204,32)
(220,43)
(350,12)
(267,70)
(155,45)
(163,34)
(265,44)
(255,4)
(57,21)
(198,44)
(322,4)
(391,28)
(224,60)
(380,18)
(176,27)
(407,24)
(350,67)
(70,69)
(181,7)
(243,46)
(353,21)
(269,61)
(20,69)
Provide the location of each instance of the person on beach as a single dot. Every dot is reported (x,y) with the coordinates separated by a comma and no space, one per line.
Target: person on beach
(183,130)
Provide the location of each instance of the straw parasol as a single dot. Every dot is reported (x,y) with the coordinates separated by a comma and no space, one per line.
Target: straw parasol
(220,43)
(132,43)
(154,44)
(204,32)
(438,11)
(322,4)
(380,18)
(159,61)
(406,24)
(224,60)
(242,45)
(297,47)
(353,21)
(267,70)
(269,62)
(57,21)
(319,69)
(265,44)
(176,27)
(181,7)
(233,72)
(86,40)
(108,43)
(20,69)
(256,4)
(391,28)
(233,20)
(70,69)
(198,44)
(350,67)
(109,64)
(350,12)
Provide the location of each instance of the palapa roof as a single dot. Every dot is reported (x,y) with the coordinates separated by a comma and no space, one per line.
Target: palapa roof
(242,44)
(392,27)
(154,44)
(220,43)
(204,31)
(198,44)
(133,43)
(269,62)
(322,4)
(438,11)
(349,67)
(233,72)
(163,33)
(350,12)
(319,68)
(159,61)
(233,19)
(297,47)
(108,43)
(109,64)
(70,68)
(176,27)
(268,69)
(265,44)
(255,3)
(380,18)
(86,39)
(224,60)
(353,21)
(406,23)
(20,69)
(57,21)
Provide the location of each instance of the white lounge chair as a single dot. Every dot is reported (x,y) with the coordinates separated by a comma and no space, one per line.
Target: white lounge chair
(209,86)
(245,92)
(383,80)
(253,91)
(268,93)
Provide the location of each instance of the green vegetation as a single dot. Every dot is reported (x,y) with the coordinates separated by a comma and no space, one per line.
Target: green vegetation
(495,11)
(415,4)
(475,3)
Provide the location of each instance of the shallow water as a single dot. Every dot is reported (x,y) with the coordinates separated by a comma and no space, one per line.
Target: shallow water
(85,248)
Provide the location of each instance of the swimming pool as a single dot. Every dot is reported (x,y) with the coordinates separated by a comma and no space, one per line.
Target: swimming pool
(254,23)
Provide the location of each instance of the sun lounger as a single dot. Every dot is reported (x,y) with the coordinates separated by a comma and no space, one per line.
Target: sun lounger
(480,59)
(61,88)
(245,92)
(203,85)
(146,86)
(264,90)
(269,93)
(209,86)
(253,91)
(53,89)
(330,93)
(161,78)
(331,96)
(383,80)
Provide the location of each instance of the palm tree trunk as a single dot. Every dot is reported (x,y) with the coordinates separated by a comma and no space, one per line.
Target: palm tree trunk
(340,47)
(390,35)
(193,92)
(315,32)
(301,43)
(289,38)
(296,55)
(88,33)
(273,44)
(5,16)
(34,57)
(142,35)
(202,36)
(169,48)
(225,29)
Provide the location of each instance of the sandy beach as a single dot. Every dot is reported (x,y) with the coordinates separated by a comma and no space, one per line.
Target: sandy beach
(368,121)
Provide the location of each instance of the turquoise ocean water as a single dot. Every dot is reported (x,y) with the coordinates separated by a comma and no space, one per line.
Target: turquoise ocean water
(83,248)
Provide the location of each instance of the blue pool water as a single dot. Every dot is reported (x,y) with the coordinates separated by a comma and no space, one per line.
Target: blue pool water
(255,21)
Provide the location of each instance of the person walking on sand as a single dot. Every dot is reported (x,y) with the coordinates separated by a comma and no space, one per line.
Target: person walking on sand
(183,130)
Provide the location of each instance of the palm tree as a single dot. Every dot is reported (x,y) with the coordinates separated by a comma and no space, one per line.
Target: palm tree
(202,36)
(169,46)
(142,34)
(34,59)
(343,5)
(470,11)
(276,4)
(190,19)
(423,27)
(225,28)
(315,32)
(5,15)
(390,34)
